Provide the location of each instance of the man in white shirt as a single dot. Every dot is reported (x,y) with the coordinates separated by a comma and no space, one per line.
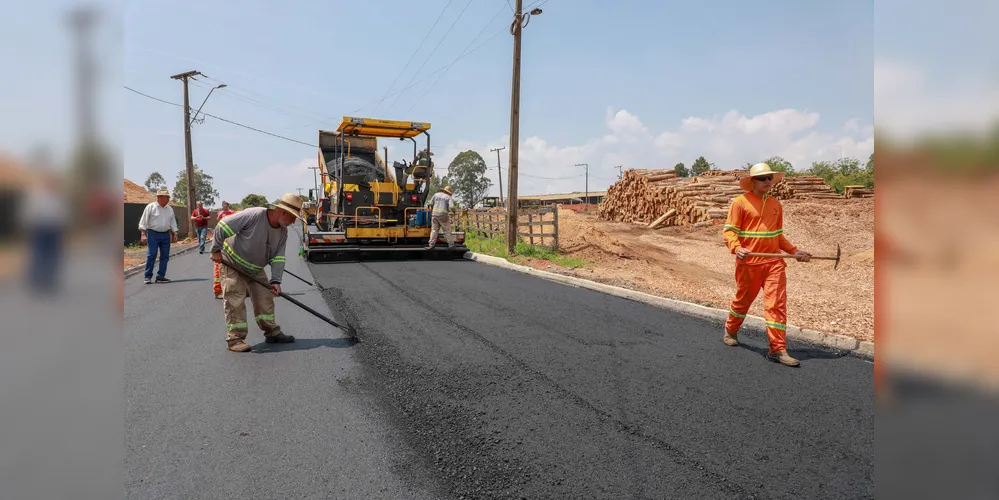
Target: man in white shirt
(158,227)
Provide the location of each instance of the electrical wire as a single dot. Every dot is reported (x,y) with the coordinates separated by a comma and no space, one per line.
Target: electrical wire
(223,119)
(415,52)
(500,11)
(425,61)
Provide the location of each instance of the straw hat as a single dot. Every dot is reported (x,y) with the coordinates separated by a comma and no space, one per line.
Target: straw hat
(290,203)
(447,189)
(163,192)
(746,183)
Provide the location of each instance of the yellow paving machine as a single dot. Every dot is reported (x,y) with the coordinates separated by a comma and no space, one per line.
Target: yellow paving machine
(365,211)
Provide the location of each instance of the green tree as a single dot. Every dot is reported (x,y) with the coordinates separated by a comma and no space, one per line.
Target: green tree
(844,172)
(870,164)
(779,164)
(436,183)
(154,182)
(467,176)
(253,200)
(700,166)
(204,190)
(681,170)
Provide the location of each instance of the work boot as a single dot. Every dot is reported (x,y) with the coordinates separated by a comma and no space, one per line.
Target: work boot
(783,358)
(218,295)
(239,346)
(280,338)
(730,339)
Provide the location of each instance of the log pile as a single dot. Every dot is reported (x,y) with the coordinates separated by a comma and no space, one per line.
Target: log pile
(660,198)
(803,187)
(858,192)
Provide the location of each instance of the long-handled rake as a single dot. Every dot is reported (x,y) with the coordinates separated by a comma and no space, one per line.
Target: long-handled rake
(348,329)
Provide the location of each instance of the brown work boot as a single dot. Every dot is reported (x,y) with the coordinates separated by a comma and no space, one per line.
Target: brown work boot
(280,338)
(783,358)
(730,339)
(239,346)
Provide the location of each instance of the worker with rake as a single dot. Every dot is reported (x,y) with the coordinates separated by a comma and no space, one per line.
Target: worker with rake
(755,225)
(244,243)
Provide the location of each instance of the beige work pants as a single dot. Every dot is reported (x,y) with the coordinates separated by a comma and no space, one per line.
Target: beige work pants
(437,222)
(235,288)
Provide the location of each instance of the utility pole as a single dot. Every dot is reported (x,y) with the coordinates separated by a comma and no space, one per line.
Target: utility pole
(511,213)
(299,192)
(587,165)
(620,173)
(500,175)
(183,77)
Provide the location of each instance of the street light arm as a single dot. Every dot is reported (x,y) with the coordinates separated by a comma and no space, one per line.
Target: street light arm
(206,100)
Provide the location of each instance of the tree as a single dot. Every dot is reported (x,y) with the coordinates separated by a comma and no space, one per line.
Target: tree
(467,176)
(436,183)
(681,170)
(843,172)
(870,164)
(154,182)
(204,191)
(253,200)
(779,164)
(700,166)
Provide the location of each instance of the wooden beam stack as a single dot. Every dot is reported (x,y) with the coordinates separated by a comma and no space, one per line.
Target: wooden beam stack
(803,187)
(645,196)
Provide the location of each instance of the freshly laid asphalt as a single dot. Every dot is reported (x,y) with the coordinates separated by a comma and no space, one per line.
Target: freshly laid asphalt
(475,381)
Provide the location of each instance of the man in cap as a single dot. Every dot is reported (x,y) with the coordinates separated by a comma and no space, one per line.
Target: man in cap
(248,241)
(440,217)
(755,224)
(157,229)
(200,217)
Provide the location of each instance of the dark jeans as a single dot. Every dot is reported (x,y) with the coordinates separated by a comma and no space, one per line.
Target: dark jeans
(202,236)
(157,242)
(46,257)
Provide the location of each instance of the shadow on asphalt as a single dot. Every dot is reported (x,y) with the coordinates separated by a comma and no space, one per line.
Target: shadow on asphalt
(801,354)
(301,344)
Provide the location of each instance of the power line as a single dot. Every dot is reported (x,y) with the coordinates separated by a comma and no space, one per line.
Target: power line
(500,11)
(224,120)
(415,52)
(425,61)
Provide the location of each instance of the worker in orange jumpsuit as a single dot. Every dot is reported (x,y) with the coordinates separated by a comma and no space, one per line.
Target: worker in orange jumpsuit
(755,225)
(217,285)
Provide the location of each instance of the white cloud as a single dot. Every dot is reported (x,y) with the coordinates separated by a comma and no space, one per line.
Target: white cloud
(729,142)
(909,101)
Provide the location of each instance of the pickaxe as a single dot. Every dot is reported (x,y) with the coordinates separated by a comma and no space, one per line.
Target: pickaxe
(790,256)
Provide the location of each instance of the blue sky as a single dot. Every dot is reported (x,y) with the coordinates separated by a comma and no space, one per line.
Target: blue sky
(640,84)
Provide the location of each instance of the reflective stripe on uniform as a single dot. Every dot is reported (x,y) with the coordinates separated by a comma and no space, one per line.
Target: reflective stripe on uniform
(236,326)
(232,253)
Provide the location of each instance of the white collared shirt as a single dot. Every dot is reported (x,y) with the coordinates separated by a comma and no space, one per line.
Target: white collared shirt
(157,218)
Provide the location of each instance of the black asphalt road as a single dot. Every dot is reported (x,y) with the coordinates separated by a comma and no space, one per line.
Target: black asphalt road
(511,386)
(477,381)
(276,423)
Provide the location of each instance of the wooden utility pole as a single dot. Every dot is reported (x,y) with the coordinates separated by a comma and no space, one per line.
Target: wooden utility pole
(620,173)
(511,211)
(587,199)
(183,77)
(500,175)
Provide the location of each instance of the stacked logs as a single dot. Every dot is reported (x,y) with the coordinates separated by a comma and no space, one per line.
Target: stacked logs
(803,186)
(645,196)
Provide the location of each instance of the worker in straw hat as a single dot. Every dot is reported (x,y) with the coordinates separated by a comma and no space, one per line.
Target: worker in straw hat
(158,227)
(440,217)
(755,224)
(249,241)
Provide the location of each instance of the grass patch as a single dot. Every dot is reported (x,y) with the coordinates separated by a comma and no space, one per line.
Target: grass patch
(497,248)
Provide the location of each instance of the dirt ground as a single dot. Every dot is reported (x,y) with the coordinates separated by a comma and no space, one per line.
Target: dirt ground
(694,265)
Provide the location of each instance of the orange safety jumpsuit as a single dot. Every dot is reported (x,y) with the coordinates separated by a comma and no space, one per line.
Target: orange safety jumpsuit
(757,224)
(217,285)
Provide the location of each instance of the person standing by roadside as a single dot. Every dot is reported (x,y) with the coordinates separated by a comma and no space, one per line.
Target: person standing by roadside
(158,229)
(755,224)
(200,217)
(440,217)
(217,284)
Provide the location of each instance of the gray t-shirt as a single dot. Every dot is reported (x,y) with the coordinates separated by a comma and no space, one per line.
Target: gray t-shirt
(441,203)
